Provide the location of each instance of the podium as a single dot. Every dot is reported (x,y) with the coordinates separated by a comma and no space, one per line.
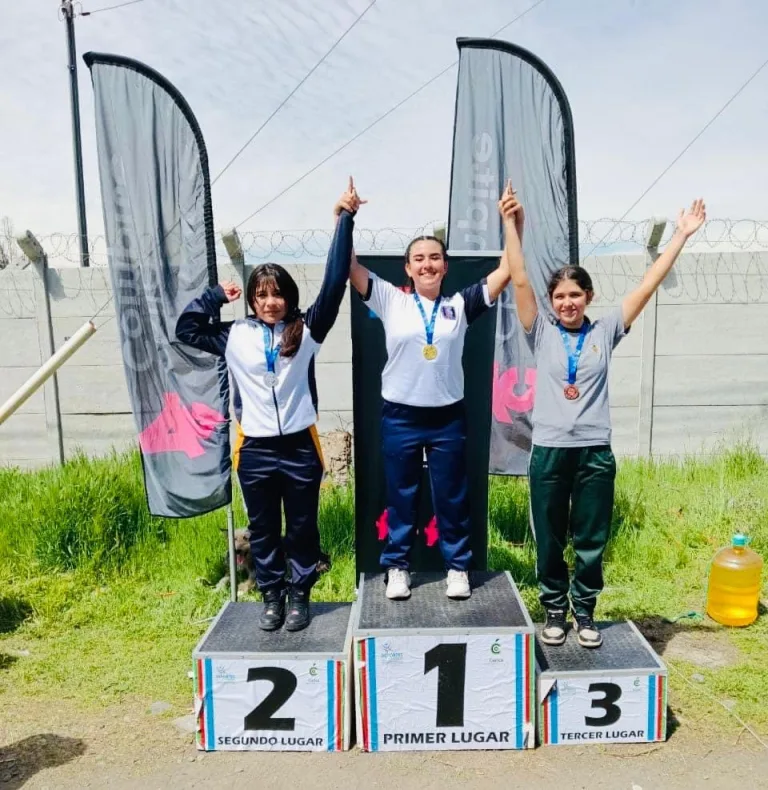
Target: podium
(614,694)
(278,690)
(432,673)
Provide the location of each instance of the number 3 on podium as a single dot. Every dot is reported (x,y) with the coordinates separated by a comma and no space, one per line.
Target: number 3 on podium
(611,695)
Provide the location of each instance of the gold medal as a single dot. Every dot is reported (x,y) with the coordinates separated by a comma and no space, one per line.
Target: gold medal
(429,351)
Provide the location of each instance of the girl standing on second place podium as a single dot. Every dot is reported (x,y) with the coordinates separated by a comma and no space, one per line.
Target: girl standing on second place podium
(572,468)
(423,391)
(270,356)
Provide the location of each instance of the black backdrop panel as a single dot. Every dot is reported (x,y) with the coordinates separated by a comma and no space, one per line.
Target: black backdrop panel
(368,358)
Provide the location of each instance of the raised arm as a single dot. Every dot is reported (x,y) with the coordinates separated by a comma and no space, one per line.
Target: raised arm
(687,224)
(200,324)
(358,274)
(514,219)
(499,278)
(322,314)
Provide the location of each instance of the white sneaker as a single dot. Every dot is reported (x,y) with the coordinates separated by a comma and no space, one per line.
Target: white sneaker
(458,584)
(398,584)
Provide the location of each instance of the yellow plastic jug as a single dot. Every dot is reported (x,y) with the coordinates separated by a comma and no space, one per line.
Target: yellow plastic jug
(734,584)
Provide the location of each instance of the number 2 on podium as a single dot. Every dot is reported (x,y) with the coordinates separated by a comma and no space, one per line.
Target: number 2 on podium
(283,685)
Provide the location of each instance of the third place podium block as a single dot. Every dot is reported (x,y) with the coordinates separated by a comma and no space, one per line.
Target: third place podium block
(616,693)
(432,673)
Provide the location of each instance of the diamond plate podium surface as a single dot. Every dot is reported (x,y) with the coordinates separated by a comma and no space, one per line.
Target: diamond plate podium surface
(236,632)
(495,604)
(616,693)
(624,648)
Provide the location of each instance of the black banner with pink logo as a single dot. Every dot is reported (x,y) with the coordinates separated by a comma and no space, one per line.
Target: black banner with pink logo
(158,220)
(513,121)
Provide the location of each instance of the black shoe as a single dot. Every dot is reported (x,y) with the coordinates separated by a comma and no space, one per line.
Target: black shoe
(586,630)
(273,613)
(553,632)
(298,610)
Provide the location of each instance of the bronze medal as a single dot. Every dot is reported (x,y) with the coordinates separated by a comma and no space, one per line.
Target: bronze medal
(571,392)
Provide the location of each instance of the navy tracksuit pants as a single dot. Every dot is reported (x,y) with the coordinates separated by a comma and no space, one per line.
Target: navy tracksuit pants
(407,432)
(274,471)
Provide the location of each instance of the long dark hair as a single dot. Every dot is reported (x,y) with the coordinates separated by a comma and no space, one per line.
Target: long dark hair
(576,273)
(408,255)
(276,278)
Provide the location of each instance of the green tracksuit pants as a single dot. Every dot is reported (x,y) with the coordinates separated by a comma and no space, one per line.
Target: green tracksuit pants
(571,491)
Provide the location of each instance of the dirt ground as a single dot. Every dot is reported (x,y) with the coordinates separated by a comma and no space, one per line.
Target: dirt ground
(45,746)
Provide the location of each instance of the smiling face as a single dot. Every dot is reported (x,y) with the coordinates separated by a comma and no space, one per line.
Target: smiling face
(272,293)
(426,266)
(570,291)
(569,301)
(268,303)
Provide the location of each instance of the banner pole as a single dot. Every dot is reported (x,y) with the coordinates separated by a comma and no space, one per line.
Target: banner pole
(232,559)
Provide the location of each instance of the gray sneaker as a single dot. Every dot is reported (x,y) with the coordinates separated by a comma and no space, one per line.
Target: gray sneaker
(587,632)
(553,632)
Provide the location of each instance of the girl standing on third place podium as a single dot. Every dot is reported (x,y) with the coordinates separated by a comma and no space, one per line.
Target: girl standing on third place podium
(572,468)
(423,410)
(270,356)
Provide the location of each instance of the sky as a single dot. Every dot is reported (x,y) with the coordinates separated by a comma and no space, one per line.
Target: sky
(643,77)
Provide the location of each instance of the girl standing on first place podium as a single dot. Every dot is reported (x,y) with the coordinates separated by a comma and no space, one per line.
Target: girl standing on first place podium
(572,468)
(423,410)
(270,356)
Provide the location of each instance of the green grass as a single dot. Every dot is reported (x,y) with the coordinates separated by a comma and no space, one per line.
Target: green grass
(110,601)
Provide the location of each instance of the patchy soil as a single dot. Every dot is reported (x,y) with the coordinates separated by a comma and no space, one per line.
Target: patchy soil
(126,747)
(702,644)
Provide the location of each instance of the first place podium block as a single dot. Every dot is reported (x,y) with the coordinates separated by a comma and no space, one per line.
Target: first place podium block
(274,691)
(616,693)
(432,673)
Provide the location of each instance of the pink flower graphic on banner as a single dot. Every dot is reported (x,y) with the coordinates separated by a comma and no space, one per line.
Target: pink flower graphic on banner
(504,397)
(178,429)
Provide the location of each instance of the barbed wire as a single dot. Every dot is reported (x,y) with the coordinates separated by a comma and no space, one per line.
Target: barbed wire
(726,261)
(311,244)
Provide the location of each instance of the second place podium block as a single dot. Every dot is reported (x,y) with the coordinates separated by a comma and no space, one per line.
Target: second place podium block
(274,691)
(432,673)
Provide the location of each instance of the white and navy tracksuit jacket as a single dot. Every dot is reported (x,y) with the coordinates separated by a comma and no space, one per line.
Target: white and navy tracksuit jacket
(423,410)
(277,455)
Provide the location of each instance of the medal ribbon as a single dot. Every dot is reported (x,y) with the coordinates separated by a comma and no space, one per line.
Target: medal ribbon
(573,354)
(269,352)
(428,326)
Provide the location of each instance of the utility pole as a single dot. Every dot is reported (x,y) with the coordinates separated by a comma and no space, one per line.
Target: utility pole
(69,18)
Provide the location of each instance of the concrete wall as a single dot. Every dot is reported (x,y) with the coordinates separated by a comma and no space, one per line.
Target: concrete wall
(692,373)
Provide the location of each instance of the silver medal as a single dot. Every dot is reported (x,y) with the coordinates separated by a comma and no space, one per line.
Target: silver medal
(270,379)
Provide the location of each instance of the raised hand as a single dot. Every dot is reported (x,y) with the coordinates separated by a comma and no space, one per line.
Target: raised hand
(232,291)
(349,201)
(689,222)
(511,209)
